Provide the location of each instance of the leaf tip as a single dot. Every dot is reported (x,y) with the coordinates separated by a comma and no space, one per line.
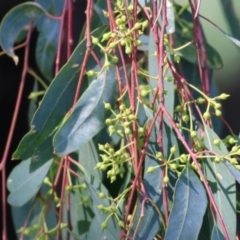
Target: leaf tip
(15,59)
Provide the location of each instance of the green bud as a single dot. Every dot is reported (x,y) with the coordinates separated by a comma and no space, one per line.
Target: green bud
(123,18)
(159,155)
(151,169)
(63,225)
(103,167)
(193,134)
(131,117)
(176,58)
(130,8)
(173,166)
(47,181)
(106,36)
(108,121)
(233,161)
(112,45)
(218,113)
(95,40)
(90,73)
(166,179)
(200,100)
(216,142)
(138,43)
(113,179)
(101,147)
(217,159)
(173,149)
(137,25)
(178,108)
(224,96)
(128,49)
(114,60)
(183,158)
(232,141)
(118,21)
(123,42)
(85,199)
(100,207)
(120,223)
(217,106)
(234,149)
(101,195)
(98,165)
(185,118)
(127,131)
(144,24)
(140,130)
(104,225)
(206,115)
(113,35)
(107,106)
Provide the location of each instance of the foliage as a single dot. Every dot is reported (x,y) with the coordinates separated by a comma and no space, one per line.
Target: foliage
(123,141)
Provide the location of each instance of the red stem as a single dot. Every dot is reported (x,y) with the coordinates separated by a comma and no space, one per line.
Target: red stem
(69,29)
(193,156)
(60,37)
(10,134)
(64,182)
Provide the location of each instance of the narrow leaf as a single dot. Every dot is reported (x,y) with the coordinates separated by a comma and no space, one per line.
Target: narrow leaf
(89,114)
(47,43)
(113,230)
(147,226)
(217,234)
(56,102)
(14,22)
(23,185)
(88,158)
(190,202)
(222,183)
(48,37)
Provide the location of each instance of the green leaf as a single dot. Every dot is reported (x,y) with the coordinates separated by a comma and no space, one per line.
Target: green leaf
(113,230)
(190,202)
(184,34)
(147,226)
(23,185)
(56,102)
(217,234)
(89,114)
(14,21)
(222,183)
(33,211)
(88,158)
(81,214)
(47,43)
(48,37)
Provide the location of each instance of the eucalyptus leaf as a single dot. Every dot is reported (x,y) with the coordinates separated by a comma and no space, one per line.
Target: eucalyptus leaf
(190,202)
(222,183)
(217,234)
(89,115)
(13,23)
(88,158)
(24,185)
(56,102)
(146,226)
(113,230)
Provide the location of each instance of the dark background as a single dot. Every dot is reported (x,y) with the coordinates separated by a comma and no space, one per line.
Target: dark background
(10,76)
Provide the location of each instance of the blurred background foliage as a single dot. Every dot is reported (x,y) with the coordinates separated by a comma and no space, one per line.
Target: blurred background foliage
(226,14)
